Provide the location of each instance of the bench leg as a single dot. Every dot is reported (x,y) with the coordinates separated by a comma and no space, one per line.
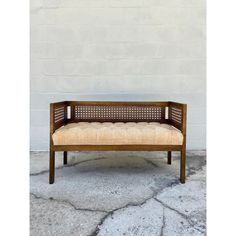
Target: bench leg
(183,166)
(169,158)
(65,158)
(51,167)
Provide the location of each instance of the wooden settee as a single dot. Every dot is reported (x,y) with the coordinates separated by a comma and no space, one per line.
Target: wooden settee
(117,126)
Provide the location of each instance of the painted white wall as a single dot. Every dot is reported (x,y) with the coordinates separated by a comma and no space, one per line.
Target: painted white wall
(150,50)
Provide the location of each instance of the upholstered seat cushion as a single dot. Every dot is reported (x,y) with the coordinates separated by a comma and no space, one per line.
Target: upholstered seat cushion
(119,133)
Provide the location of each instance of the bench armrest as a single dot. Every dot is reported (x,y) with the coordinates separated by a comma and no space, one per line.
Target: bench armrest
(58,115)
(177,116)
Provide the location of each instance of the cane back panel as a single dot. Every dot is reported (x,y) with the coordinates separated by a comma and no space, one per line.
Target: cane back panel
(115,112)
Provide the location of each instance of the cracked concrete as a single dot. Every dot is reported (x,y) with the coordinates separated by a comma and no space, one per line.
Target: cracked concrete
(49,217)
(118,193)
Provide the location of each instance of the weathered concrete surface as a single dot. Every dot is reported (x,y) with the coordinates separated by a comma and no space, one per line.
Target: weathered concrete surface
(52,217)
(118,193)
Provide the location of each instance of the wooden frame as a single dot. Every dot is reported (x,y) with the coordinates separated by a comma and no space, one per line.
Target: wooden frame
(62,113)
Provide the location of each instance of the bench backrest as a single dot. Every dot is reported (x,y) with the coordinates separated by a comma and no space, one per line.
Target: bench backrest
(118,111)
(104,111)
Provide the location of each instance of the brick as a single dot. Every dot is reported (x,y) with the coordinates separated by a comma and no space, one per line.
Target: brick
(41,101)
(196,144)
(163,84)
(174,3)
(182,50)
(51,3)
(39,118)
(93,34)
(172,67)
(40,16)
(39,144)
(93,67)
(122,67)
(157,34)
(69,51)
(142,50)
(39,131)
(197,115)
(125,3)
(109,16)
(128,34)
(183,84)
(53,34)
(105,50)
(189,34)
(84,3)
(89,16)
(39,138)
(43,84)
(175,16)
(43,50)
(196,131)
(59,67)
(63,84)
(36,4)
(36,67)
(121,50)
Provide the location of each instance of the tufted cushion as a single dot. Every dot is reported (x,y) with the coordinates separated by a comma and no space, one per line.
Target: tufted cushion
(107,133)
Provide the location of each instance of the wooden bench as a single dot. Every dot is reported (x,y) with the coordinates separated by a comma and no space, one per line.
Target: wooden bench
(117,126)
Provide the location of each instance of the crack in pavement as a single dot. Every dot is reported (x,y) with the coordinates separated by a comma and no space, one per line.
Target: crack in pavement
(68,165)
(163,223)
(151,163)
(138,204)
(110,213)
(179,213)
(69,203)
(155,192)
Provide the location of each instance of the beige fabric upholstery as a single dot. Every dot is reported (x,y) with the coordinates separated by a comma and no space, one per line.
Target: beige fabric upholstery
(107,133)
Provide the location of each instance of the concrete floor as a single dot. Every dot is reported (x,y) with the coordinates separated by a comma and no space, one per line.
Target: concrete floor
(118,193)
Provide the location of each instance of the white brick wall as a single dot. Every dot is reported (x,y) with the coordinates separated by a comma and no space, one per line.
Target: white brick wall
(118,50)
